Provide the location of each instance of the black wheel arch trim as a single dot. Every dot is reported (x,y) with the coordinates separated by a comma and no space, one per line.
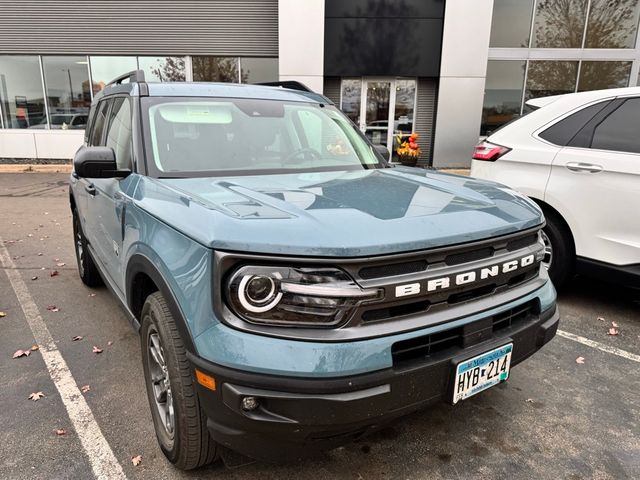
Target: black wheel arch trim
(141,264)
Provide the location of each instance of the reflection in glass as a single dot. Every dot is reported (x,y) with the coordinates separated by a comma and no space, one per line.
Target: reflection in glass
(612,24)
(377,112)
(552,77)
(256,70)
(163,69)
(601,75)
(502,93)
(68,92)
(215,69)
(105,69)
(511,23)
(21,99)
(404,111)
(350,103)
(559,24)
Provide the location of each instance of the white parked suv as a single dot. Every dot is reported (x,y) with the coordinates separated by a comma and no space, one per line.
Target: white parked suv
(578,157)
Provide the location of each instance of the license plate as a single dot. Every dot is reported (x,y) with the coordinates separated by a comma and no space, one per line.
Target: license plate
(481,372)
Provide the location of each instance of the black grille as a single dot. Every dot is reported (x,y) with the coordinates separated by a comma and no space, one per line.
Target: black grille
(470,256)
(514,315)
(393,269)
(420,347)
(522,242)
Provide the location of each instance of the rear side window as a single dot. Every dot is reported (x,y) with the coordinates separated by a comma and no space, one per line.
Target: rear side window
(562,132)
(119,133)
(99,123)
(620,131)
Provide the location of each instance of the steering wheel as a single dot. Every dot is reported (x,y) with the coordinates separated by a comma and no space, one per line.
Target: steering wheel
(314,153)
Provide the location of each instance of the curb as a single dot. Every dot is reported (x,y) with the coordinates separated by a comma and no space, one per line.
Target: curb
(34,168)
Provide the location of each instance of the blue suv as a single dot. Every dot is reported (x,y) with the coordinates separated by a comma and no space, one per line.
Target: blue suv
(293,290)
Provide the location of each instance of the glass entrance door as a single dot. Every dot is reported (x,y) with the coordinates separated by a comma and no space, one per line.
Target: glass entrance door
(383,108)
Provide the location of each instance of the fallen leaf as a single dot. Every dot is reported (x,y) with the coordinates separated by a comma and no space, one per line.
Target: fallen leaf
(109,343)
(34,278)
(612,331)
(76,338)
(40,254)
(54,273)
(529,400)
(614,324)
(601,319)
(30,235)
(34,348)
(35,396)
(97,349)
(85,388)
(53,308)
(60,431)
(92,294)
(137,460)
(580,360)
(21,353)
(60,264)
(3,314)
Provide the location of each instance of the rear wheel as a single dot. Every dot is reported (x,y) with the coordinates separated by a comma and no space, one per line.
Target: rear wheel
(560,255)
(180,424)
(87,269)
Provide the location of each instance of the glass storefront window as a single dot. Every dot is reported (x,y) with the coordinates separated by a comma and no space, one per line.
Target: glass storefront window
(215,69)
(256,70)
(105,69)
(350,99)
(502,93)
(612,24)
(511,23)
(601,75)
(550,77)
(377,111)
(21,97)
(163,69)
(403,112)
(68,91)
(559,24)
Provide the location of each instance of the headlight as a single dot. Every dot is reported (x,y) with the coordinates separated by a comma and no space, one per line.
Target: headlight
(320,297)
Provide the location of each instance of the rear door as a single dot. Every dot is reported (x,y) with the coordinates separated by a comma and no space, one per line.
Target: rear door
(595,184)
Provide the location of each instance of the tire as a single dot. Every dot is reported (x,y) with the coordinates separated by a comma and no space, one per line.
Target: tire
(562,252)
(184,440)
(87,269)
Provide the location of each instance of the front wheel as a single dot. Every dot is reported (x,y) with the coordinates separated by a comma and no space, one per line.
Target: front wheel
(180,424)
(87,269)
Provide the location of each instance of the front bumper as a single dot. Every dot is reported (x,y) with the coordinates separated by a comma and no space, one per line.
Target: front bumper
(300,416)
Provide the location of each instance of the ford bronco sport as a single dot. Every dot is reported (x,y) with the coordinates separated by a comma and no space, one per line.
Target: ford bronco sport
(293,290)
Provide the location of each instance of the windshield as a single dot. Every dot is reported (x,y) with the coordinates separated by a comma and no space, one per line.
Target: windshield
(196,136)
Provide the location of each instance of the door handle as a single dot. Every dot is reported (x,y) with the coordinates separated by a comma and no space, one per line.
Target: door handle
(584,167)
(90,189)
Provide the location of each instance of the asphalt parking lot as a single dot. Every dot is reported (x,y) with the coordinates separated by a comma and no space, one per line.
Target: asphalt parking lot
(554,418)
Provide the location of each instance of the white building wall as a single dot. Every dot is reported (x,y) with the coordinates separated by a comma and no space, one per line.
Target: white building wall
(301,42)
(40,144)
(465,47)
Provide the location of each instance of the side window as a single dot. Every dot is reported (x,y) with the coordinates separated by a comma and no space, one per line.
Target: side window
(620,131)
(119,133)
(99,123)
(562,132)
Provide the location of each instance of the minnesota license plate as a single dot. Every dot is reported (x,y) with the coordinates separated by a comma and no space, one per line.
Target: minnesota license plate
(481,372)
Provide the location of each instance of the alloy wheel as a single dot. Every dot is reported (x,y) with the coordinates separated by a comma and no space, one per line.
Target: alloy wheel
(160,383)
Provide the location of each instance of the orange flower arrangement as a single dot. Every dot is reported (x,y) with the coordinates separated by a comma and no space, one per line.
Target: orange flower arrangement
(408,150)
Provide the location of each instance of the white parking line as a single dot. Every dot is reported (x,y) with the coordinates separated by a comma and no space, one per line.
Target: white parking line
(103,462)
(600,346)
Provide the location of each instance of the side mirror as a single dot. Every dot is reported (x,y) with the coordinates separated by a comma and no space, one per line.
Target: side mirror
(97,162)
(382,150)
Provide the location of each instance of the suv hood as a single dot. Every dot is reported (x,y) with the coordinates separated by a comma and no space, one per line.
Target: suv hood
(361,213)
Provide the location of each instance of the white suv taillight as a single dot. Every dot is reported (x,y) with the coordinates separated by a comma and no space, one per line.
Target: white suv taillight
(489,152)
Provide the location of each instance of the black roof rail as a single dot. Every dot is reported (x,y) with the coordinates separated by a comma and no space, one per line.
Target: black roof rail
(290,84)
(135,76)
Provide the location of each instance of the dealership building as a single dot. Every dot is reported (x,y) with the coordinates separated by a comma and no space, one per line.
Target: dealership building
(450,70)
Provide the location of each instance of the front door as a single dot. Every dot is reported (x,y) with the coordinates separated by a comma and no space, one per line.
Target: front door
(383,108)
